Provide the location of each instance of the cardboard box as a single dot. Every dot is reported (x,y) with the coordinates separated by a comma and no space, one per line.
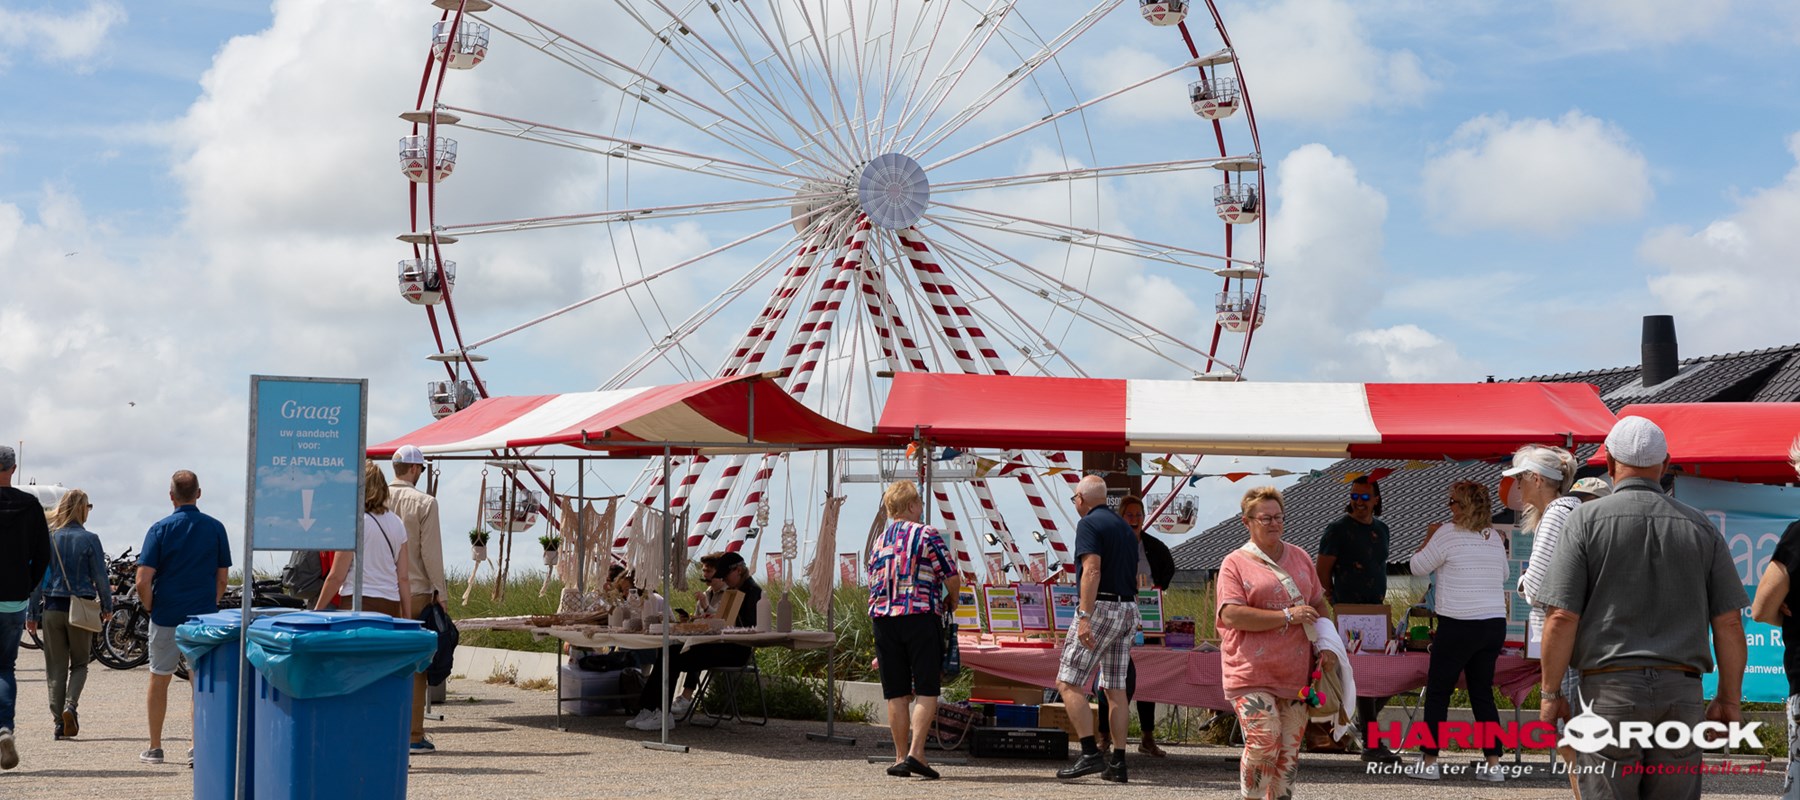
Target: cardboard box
(1372,622)
(1027,696)
(1056,715)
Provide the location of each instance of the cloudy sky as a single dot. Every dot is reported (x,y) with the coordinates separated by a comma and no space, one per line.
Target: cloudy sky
(194,191)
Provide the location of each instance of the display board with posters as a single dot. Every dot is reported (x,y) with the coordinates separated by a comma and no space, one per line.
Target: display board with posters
(1064,602)
(1034,606)
(968,611)
(1752,518)
(850,569)
(1150,610)
(1002,603)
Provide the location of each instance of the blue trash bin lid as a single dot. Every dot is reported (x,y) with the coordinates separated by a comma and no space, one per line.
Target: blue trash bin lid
(310,621)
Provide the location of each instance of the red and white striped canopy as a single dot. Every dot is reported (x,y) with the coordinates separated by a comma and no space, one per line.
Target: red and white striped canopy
(712,416)
(1373,420)
(1725,441)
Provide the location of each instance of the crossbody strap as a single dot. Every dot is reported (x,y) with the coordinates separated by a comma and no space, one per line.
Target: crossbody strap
(1287,582)
(392,553)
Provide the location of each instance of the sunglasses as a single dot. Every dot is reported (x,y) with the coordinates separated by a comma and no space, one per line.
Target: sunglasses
(1361,496)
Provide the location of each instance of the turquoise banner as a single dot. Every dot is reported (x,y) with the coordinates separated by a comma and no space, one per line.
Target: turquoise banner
(1752,518)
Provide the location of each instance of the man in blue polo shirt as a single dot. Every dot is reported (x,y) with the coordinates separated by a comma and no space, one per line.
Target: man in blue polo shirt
(181,572)
(1106,566)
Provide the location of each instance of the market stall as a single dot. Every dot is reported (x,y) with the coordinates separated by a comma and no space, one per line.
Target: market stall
(737,414)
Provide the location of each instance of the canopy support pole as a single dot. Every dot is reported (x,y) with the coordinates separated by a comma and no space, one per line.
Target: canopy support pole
(664,743)
(831,690)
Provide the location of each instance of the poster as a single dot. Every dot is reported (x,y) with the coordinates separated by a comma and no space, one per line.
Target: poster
(1002,609)
(968,613)
(849,569)
(1752,518)
(1040,567)
(772,566)
(1364,628)
(1064,602)
(1150,610)
(1034,607)
(996,566)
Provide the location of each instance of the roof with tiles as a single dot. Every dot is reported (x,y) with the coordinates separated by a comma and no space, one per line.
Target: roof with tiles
(1414,498)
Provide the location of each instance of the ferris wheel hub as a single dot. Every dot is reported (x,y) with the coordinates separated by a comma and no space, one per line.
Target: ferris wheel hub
(892,190)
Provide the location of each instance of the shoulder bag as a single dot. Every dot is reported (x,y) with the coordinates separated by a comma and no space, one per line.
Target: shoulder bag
(84,612)
(1287,582)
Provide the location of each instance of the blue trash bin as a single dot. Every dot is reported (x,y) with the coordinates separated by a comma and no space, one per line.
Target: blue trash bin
(333,705)
(211,644)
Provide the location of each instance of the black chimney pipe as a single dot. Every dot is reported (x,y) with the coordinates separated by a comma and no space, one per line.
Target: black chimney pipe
(1662,358)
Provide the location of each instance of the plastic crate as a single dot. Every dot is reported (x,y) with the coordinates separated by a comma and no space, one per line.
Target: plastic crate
(591,694)
(1040,743)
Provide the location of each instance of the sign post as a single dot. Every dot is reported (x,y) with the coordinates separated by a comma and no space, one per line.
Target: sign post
(307,440)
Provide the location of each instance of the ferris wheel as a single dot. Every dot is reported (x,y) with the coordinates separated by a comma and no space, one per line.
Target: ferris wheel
(860,187)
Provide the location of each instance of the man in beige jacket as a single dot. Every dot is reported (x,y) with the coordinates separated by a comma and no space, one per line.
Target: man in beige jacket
(425,560)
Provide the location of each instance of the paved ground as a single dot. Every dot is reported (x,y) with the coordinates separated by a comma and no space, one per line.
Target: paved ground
(499,741)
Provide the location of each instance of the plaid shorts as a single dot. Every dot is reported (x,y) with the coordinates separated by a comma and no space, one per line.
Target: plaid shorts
(1114,625)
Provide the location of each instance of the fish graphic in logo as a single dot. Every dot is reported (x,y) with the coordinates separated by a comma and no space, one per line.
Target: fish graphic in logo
(1587,733)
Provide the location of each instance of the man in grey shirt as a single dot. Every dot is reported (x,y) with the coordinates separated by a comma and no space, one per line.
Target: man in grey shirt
(1637,581)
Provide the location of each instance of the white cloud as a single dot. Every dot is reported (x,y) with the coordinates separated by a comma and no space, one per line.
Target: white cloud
(1626,22)
(73,37)
(1730,278)
(1313,61)
(1536,175)
(1327,276)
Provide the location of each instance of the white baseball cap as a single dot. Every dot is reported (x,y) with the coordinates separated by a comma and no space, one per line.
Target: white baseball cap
(1637,442)
(408,454)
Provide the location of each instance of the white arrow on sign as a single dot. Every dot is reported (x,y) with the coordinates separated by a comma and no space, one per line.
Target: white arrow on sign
(306,520)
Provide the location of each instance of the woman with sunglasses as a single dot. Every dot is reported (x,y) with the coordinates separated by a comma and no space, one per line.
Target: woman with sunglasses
(1269,598)
(1469,558)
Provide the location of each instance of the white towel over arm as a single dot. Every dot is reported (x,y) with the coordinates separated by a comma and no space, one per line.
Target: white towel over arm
(1344,722)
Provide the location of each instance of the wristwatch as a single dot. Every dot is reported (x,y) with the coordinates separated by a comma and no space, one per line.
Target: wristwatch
(1079,614)
(1550,695)
(1289,614)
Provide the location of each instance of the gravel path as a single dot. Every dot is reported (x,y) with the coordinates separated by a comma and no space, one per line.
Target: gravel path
(499,741)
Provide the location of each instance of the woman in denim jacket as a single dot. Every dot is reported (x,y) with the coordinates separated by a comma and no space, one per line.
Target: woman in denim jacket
(77,569)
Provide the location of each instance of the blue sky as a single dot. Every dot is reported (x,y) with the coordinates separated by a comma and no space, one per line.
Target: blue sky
(191,192)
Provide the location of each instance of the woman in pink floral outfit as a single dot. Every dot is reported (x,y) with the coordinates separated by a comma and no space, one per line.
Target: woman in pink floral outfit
(1269,597)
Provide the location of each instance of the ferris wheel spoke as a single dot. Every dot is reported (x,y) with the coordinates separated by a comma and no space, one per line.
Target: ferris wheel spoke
(1054,116)
(1078,174)
(779,53)
(1142,333)
(640,85)
(921,56)
(1089,238)
(634,214)
(666,271)
(1017,75)
(629,149)
(818,34)
(754,86)
(951,74)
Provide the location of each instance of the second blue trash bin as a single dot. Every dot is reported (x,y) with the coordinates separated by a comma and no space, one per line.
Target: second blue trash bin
(333,703)
(210,642)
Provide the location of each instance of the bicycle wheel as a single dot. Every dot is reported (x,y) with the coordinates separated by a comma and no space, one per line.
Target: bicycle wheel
(124,640)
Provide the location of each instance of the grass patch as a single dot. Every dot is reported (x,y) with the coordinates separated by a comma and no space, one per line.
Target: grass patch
(538,684)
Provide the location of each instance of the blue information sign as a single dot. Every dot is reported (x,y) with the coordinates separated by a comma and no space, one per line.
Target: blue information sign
(306,459)
(1752,518)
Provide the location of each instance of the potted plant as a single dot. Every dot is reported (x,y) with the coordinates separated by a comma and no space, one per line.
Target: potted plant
(551,543)
(478,540)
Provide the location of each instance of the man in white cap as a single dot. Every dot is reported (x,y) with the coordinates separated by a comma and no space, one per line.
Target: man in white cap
(425,557)
(1641,653)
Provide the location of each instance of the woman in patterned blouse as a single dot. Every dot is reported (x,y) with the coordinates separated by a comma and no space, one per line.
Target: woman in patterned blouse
(912,585)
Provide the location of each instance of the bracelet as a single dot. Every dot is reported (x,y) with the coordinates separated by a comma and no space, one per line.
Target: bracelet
(1288,613)
(1549,695)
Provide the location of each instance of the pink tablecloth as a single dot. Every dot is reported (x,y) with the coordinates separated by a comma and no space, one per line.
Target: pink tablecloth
(1188,678)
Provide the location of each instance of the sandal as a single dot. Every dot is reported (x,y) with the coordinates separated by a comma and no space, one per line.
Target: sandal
(1148,747)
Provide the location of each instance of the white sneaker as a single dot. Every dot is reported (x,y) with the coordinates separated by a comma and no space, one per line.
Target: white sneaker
(681,705)
(639,719)
(1494,774)
(655,722)
(1424,772)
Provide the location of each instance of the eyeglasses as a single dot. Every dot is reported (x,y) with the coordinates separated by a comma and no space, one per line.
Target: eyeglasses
(1361,496)
(1270,519)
